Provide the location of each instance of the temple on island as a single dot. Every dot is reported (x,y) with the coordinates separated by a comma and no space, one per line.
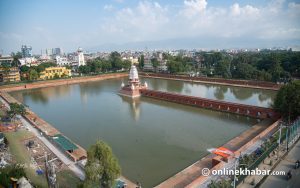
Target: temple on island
(132,89)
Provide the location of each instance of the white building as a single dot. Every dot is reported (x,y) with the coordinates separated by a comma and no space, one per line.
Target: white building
(162,66)
(62,61)
(80,57)
(29,61)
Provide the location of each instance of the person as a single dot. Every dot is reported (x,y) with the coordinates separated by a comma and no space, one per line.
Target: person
(297,164)
(289,175)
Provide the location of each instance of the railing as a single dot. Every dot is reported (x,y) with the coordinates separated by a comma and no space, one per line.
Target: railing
(290,134)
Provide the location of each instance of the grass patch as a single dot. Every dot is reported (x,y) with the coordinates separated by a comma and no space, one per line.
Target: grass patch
(22,156)
(66,178)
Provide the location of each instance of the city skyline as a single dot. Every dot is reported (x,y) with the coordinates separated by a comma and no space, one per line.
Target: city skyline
(123,24)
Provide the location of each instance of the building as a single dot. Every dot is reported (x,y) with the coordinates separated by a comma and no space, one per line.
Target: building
(55,72)
(62,61)
(162,67)
(6,60)
(133,60)
(9,74)
(29,61)
(26,51)
(56,52)
(80,57)
(132,89)
(148,66)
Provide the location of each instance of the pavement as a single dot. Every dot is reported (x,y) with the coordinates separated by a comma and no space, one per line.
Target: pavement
(286,164)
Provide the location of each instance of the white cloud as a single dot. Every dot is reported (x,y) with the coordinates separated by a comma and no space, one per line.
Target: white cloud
(193,7)
(150,20)
(247,10)
(108,7)
(137,23)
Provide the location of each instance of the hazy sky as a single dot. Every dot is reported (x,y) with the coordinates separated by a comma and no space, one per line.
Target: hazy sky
(96,24)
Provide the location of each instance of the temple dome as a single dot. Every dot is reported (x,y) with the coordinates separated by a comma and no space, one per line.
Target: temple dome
(133,74)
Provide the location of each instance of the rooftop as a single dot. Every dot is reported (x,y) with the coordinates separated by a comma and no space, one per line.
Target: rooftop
(64,143)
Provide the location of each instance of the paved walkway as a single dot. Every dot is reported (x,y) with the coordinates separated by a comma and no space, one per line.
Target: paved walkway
(286,164)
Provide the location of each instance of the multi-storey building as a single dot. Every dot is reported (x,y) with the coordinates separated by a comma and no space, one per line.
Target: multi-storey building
(53,72)
(56,51)
(62,61)
(11,74)
(26,51)
(80,57)
(148,66)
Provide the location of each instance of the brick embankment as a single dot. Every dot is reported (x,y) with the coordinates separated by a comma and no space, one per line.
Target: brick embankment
(192,175)
(217,81)
(51,83)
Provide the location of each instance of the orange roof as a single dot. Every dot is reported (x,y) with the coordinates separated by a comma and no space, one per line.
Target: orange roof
(224,152)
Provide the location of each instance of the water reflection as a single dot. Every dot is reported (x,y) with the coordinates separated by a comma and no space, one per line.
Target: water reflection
(219,92)
(42,95)
(241,93)
(134,106)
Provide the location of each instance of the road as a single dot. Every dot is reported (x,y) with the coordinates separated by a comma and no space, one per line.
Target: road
(286,164)
(72,166)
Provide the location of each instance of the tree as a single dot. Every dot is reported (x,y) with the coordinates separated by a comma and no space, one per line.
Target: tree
(16,109)
(287,101)
(24,69)
(126,64)
(106,65)
(116,61)
(175,66)
(141,61)
(84,69)
(102,167)
(33,74)
(223,68)
(154,62)
(15,171)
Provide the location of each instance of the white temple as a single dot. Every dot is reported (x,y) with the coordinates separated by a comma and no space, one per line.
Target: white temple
(132,89)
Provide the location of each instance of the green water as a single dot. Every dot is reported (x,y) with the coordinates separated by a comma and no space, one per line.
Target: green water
(152,139)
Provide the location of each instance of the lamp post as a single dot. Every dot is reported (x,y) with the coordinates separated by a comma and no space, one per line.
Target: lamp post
(235,164)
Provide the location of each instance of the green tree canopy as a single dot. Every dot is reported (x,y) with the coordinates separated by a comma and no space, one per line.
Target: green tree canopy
(102,167)
(33,74)
(141,61)
(84,69)
(16,109)
(287,100)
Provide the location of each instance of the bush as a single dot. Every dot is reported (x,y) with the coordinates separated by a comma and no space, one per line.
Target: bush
(15,171)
